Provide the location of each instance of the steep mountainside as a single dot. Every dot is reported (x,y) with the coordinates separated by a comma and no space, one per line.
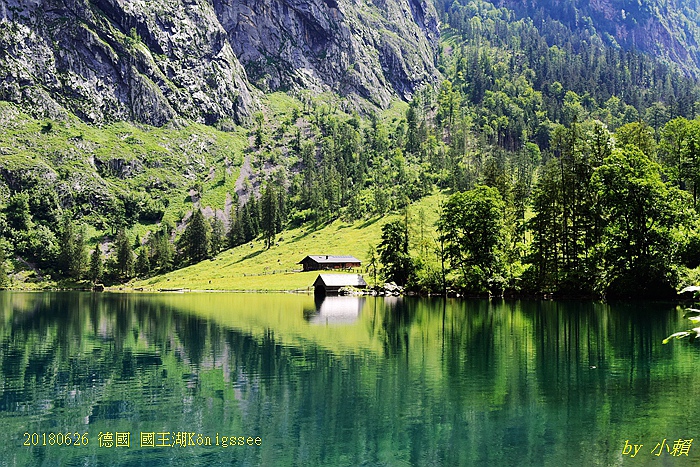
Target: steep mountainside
(371,49)
(115,60)
(667,29)
(107,60)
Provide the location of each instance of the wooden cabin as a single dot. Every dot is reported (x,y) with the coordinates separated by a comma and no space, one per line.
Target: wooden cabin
(330,284)
(321,262)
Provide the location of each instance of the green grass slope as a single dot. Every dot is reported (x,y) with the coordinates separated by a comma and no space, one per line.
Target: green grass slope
(89,167)
(251,267)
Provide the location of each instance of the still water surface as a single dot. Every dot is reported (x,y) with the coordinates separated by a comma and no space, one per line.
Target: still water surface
(346,381)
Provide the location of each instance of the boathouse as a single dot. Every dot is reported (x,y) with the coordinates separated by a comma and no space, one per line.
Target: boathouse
(330,284)
(321,262)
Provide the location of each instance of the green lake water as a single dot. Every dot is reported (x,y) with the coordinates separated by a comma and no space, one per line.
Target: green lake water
(343,382)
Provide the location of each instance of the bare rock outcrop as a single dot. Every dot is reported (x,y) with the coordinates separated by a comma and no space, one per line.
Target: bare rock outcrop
(152,61)
(374,50)
(107,60)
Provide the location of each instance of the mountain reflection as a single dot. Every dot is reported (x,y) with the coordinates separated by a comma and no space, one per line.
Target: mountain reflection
(380,381)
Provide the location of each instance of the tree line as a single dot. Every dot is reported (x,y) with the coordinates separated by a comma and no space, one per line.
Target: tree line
(606,216)
(62,252)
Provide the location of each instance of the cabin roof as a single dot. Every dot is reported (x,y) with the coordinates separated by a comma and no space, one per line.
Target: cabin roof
(340,280)
(326,259)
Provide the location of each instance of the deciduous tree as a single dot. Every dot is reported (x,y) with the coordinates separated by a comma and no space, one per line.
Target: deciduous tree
(471,226)
(640,213)
(397,264)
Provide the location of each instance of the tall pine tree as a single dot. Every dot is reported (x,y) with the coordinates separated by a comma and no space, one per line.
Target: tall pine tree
(218,235)
(270,215)
(125,256)
(96,265)
(196,240)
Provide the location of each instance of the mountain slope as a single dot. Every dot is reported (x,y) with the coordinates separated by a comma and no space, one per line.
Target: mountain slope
(668,29)
(112,60)
(371,49)
(108,60)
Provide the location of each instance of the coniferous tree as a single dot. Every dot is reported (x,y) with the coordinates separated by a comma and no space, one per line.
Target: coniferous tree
(546,228)
(270,215)
(281,208)
(162,251)
(332,192)
(196,240)
(66,247)
(259,129)
(218,235)
(143,262)
(247,224)
(125,256)
(96,265)
(254,215)
(72,256)
(80,260)
(309,175)
(412,137)
(235,233)
(354,208)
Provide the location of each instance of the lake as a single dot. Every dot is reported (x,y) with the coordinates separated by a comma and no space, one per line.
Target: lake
(283,379)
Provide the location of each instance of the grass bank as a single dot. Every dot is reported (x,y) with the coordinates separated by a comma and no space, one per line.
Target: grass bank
(251,267)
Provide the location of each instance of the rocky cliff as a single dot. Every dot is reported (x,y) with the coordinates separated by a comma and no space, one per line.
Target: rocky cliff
(150,61)
(368,48)
(121,60)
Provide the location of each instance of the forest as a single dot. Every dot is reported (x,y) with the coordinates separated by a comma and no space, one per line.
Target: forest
(567,168)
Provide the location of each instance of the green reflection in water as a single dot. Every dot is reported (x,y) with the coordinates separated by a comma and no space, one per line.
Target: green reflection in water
(343,381)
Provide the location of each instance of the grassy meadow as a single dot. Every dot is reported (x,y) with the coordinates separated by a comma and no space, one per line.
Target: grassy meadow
(251,267)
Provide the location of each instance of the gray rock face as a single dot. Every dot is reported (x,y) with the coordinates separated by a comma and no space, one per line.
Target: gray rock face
(104,60)
(150,61)
(374,49)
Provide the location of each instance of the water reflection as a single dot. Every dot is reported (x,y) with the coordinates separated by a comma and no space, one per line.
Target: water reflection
(335,310)
(394,381)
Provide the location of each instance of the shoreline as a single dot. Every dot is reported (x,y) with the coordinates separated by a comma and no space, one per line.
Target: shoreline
(310,291)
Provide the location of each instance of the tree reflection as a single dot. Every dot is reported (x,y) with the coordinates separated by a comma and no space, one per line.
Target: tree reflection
(431,382)
(396,323)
